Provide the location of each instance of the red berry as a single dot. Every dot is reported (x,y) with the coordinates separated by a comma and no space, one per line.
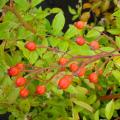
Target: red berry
(63,61)
(62,69)
(94,45)
(79,24)
(24,92)
(74,67)
(81,71)
(20,66)
(93,77)
(20,81)
(65,82)
(100,71)
(31,46)
(13,71)
(41,89)
(80,40)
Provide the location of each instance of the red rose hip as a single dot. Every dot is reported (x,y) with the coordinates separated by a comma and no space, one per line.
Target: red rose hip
(81,71)
(13,71)
(79,24)
(41,89)
(63,61)
(100,71)
(80,40)
(65,82)
(24,92)
(94,45)
(20,81)
(31,46)
(93,77)
(74,67)
(20,66)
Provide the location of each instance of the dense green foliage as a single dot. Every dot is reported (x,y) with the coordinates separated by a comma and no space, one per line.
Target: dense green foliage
(21,22)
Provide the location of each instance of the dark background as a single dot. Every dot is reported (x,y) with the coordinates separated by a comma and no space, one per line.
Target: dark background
(63,4)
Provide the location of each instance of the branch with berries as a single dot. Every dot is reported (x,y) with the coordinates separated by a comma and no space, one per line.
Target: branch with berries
(76,68)
(76,64)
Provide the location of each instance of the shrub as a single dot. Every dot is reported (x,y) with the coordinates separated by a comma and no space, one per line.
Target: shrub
(46,74)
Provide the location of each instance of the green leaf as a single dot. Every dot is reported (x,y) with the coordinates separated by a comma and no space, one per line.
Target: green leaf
(72,32)
(95,32)
(40,51)
(21,46)
(115,31)
(83,104)
(92,99)
(35,2)
(96,115)
(75,17)
(109,110)
(116,74)
(55,10)
(14,93)
(80,50)
(71,10)
(54,41)
(8,59)
(96,4)
(22,33)
(63,45)
(33,56)
(58,23)
(78,91)
(39,63)
(116,60)
(24,105)
(9,16)
(108,68)
(75,114)
(107,49)
(2,3)
(88,83)
(117,39)
(117,104)
(4,30)
(6,81)
(48,56)
(3,110)
(84,118)
(117,13)
(17,56)
(24,5)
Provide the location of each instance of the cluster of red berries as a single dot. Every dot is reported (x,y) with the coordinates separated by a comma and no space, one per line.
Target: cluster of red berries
(80,71)
(21,81)
(66,80)
(81,41)
(15,70)
(40,90)
(31,46)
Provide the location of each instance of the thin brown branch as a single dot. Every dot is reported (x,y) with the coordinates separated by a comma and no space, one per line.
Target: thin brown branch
(109,97)
(54,49)
(21,20)
(40,70)
(54,76)
(102,33)
(11,3)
